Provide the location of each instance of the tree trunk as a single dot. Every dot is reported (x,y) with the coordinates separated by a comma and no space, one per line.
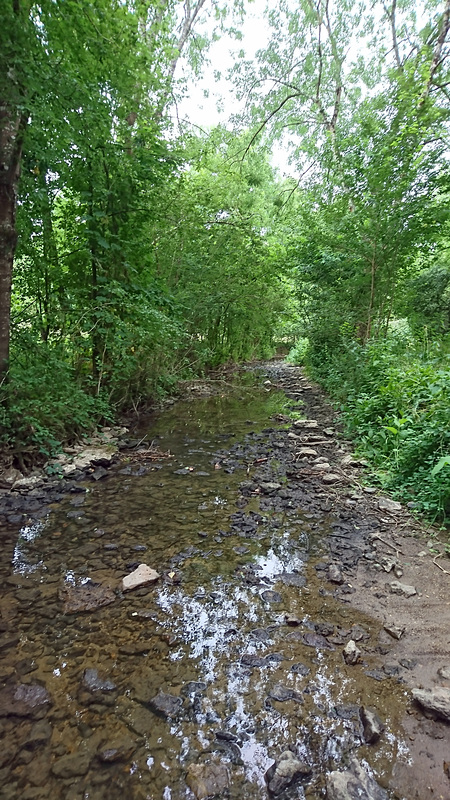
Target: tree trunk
(12,127)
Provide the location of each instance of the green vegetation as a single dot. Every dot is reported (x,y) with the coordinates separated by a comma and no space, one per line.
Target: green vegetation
(143,252)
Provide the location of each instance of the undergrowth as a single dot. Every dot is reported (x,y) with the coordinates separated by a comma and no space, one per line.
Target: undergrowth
(394,396)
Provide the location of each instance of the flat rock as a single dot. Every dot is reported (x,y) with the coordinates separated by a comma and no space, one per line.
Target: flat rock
(394,630)
(92,682)
(269,487)
(166,705)
(335,574)
(391,506)
(86,597)
(401,588)
(330,478)
(316,640)
(283,693)
(71,766)
(305,452)
(30,482)
(207,780)
(436,700)
(142,576)
(114,750)
(24,700)
(285,772)
(353,784)
(307,424)
(94,455)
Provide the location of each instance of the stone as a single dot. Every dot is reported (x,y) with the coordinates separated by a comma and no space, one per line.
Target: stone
(335,574)
(166,705)
(391,506)
(351,653)
(207,780)
(330,478)
(436,700)
(39,734)
(8,477)
(307,424)
(29,482)
(121,749)
(86,597)
(401,588)
(282,693)
(316,640)
(305,452)
(444,673)
(93,683)
(71,766)
(269,487)
(101,456)
(285,772)
(24,700)
(372,725)
(394,630)
(353,784)
(270,596)
(142,576)
(292,619)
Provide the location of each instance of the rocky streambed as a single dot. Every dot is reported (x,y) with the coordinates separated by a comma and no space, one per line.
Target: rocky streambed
(289,639)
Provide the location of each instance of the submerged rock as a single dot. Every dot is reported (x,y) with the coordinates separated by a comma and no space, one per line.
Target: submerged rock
(353,784)
(207,780)
(71,765)
(285,772)
(142,576)
(24,700)
(436,700)
(86,597)
(166,705)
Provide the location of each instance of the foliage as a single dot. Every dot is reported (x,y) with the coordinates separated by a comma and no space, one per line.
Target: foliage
(395,400)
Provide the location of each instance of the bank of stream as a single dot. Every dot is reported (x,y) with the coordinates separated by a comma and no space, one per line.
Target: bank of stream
(249,668)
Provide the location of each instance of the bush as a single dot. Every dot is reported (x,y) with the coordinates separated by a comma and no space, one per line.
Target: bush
(298,354)
(395,401)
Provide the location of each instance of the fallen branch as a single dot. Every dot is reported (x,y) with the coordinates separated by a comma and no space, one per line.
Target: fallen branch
(439,555)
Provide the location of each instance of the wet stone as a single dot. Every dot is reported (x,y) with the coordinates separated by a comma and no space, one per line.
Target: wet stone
(352,784)
(300,669)
(193,687)
(93,683)
(270,596)
(284,693)
(285,772)
(351,653)
(86,597)
(166,705)
(317,640)
(250,660)
(372,725)
(291,579)
(25,700)
(207,780)
(71,766)
(112,751)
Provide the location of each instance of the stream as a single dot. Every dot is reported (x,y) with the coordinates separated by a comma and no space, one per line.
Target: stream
(199,682)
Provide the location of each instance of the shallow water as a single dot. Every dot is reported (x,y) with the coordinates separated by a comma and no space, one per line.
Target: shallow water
(227,583)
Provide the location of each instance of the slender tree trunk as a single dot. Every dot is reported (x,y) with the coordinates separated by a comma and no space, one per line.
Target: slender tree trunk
(12,126)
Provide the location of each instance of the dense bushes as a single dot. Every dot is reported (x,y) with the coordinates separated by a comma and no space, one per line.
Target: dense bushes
(395,400)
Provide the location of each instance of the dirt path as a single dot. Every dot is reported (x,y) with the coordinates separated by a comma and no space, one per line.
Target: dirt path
(384,546)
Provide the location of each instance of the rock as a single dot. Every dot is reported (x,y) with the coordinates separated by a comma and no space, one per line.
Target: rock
(306,451)
(444,673)
(39,734)
(93,683)
(282,693)
(391,506)
(353,784)
(292,619)
(436,700)
(307,424)
(110,752)
(350,461)
(269,487)
(29,482)
(207,780)
(335,574)
(166,705)
(372,725)
(394,630)
(285,772)
(300,669)
(316,640)
(330,478)
(270,596)
(250,660)
(24,700)
(8,477)
(142,576)
(86,597)
(71,766)
(401,588)
(351,653)
(101,456)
